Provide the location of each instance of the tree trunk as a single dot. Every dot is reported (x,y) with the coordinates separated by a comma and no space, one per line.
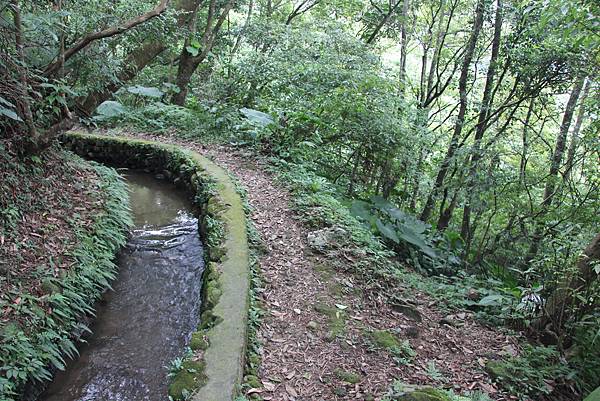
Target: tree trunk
(404,45)
(575,134)
(24,82)
(476,154)
(134,63)
(460,119)
(557,156)
(384,20)
(556,308)
(525,143)
(105,33)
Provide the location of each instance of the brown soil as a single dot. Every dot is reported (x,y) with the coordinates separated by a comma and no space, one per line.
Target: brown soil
(318,321)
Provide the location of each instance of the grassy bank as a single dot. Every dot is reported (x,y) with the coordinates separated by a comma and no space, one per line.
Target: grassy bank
(63,219)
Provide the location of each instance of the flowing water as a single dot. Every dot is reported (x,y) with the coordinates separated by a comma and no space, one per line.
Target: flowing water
(146,321)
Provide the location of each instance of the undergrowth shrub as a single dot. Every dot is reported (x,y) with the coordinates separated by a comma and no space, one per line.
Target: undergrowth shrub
(538,370)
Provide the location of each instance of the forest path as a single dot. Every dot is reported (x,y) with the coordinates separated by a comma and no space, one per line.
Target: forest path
(322,337)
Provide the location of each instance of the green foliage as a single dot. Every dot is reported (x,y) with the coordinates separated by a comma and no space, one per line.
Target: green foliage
(404,392)
(536,371)
(201,122)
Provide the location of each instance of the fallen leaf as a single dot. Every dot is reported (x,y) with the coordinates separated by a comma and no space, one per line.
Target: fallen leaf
(291,391)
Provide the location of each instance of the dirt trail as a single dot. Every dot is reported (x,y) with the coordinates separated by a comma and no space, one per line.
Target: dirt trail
(317,333)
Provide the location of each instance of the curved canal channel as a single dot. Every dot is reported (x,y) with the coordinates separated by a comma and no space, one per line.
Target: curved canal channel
(145,322)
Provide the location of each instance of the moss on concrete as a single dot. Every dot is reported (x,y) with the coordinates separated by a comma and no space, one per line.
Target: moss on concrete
(187,379)
(198,341)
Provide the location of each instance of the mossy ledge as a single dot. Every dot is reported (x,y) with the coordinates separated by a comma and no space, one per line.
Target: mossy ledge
(220,339)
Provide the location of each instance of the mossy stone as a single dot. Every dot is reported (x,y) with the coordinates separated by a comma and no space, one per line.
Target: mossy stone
(336,321)
(497,369)
(216,253)
(213,293)
(425,394)
(385,339)
(213,206)
(190,377)
(348,377)
(198,341)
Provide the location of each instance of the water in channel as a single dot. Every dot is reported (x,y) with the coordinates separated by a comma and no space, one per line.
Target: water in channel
(146,321)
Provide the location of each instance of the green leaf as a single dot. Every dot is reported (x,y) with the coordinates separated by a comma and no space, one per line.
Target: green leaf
(145,91)
(9,113)
(257,117)
(491,300)
(387,231)
(109,109)
(361,210)
(192,50)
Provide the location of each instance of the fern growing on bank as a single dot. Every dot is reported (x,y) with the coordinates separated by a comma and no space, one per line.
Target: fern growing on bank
(30,352)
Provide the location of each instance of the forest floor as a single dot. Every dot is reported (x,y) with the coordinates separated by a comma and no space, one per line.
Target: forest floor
(323,337)
(44,201)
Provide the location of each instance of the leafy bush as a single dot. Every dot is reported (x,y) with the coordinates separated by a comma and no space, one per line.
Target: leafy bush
(433,252)
(156,117)
(538,370)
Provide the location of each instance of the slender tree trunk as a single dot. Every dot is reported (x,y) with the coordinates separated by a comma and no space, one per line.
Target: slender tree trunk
(240,36)
(575,134)
(384,21)
(525,142)
(24,81)
(404,43)
(460,119)
(481,127)
(440,32)
(557,157)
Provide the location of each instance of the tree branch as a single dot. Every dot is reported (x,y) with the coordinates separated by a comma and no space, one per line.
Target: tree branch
(105,33)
